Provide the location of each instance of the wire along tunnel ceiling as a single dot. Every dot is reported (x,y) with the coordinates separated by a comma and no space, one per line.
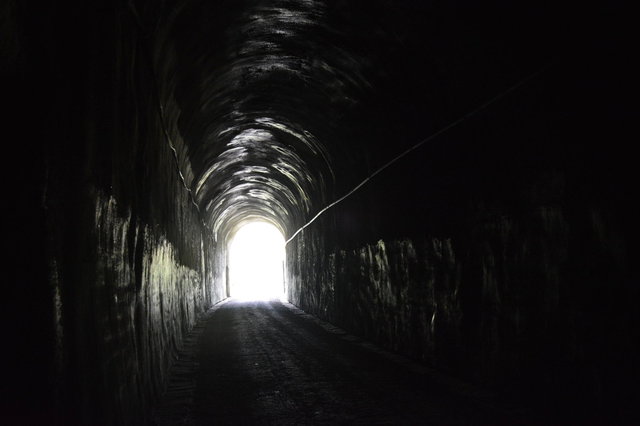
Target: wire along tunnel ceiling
(285,105)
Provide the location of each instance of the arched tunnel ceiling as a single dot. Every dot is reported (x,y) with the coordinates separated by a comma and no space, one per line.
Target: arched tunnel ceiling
(264,83)
(284,104)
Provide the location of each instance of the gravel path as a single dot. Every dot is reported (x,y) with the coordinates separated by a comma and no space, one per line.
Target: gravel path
(270,363)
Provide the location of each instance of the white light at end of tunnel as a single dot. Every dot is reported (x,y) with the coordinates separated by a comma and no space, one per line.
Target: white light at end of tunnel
(256,262)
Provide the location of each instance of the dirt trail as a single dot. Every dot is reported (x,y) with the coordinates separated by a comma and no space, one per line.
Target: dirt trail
(268,363)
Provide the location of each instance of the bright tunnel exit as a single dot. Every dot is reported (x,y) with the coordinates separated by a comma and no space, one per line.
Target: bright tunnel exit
(256,262)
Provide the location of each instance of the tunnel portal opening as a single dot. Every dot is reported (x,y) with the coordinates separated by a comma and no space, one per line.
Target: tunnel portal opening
(256,262)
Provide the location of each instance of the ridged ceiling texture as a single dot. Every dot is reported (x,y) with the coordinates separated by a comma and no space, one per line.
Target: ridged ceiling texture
(261,86)
(284,105)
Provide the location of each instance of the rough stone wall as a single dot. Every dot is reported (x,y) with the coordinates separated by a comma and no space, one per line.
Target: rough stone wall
(122,263)
(497,255)
(141,300)
(501,309)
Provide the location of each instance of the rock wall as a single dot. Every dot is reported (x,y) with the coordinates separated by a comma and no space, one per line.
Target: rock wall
(122,264)
(498,254)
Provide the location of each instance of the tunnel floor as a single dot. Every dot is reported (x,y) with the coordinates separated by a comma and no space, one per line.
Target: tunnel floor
(270,363)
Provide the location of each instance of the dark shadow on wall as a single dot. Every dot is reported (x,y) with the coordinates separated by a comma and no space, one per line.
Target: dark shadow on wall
(110,261)
(500,251)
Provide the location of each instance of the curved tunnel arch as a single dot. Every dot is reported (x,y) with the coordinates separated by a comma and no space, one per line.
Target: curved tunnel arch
(258,116)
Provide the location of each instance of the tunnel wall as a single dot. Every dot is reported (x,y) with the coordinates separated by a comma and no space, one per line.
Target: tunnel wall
(121,261)
(498,253)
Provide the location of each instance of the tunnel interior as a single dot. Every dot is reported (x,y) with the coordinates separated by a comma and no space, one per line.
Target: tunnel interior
(453,180)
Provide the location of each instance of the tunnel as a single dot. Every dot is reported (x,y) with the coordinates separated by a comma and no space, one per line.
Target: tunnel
(452,180)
